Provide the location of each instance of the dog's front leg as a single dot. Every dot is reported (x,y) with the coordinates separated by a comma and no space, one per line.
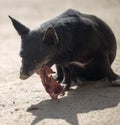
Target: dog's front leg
(67,77)
(59,75)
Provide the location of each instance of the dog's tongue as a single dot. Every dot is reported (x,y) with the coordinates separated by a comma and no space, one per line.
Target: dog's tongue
(51,85)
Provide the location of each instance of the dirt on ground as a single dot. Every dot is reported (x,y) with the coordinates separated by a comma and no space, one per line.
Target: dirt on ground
(26,102)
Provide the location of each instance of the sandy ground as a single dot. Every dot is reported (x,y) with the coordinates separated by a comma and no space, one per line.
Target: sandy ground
(95,104)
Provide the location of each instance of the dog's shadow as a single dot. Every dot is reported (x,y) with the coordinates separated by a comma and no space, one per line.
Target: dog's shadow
(80,100)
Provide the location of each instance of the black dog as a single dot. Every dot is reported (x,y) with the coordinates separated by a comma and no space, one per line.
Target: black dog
(79,45)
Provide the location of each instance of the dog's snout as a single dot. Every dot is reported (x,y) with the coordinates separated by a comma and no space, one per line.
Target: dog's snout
(23,76)
(25,72)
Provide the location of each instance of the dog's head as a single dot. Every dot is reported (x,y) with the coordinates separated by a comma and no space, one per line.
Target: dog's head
(37,47)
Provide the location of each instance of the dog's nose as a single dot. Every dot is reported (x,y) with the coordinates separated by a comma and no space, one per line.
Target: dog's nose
(23,77)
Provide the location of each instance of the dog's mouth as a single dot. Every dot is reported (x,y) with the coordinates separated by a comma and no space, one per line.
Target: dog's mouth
(40,66)
(24,76)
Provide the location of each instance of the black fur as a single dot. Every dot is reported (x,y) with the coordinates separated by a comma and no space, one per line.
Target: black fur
(66,40)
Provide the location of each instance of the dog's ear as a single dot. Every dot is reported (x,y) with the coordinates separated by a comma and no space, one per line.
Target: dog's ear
(21,29)
(50,36)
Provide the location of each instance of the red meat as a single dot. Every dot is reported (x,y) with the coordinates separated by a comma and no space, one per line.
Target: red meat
(51,85)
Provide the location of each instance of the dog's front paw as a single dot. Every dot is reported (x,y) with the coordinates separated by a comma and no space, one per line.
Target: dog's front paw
(115,83)
(67,87)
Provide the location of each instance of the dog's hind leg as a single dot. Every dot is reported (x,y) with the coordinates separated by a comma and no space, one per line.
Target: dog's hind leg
(106,66)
